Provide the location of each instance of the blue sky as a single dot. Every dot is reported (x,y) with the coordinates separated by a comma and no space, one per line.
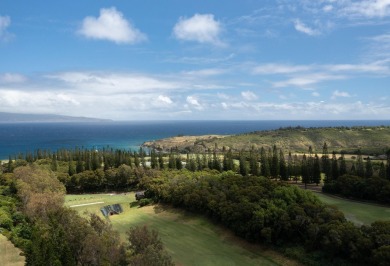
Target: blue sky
(176,59)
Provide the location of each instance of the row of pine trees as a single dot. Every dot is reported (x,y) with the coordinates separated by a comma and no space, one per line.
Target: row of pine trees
(271,163)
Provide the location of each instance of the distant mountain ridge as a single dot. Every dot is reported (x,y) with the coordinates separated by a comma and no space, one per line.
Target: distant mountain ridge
(14,118)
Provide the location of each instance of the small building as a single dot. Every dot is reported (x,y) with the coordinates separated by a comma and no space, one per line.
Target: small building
(139,195)
(111,210)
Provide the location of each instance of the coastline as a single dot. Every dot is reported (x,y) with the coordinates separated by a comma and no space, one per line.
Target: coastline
(19,138)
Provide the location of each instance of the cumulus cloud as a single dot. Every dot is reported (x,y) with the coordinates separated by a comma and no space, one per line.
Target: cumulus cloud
(194,102)
(301,27)
(164,99)
(112,26)
(202,28)
(248,95)
(5,21)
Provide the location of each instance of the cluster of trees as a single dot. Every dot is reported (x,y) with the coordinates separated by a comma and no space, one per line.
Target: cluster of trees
(352,186)
(80,159)
(261,210)
(84,170)
(32,216)
(361,180)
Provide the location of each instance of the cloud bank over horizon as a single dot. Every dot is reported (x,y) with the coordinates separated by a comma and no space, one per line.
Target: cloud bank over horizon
(274,60)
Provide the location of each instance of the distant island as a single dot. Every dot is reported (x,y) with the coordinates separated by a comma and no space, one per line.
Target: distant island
(34,118)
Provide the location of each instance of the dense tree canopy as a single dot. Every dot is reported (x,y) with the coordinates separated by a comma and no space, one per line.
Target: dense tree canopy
(222,184)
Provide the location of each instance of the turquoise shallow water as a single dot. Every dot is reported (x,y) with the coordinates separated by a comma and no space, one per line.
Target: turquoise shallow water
(26,137)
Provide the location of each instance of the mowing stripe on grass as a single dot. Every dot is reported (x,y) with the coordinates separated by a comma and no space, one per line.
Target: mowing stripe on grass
(86,204)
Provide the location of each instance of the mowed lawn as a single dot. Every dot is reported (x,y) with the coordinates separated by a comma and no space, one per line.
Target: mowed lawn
(190,239)
(357,212)
(9,254)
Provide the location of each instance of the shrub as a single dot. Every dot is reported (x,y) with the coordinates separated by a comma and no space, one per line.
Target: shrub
(145,202)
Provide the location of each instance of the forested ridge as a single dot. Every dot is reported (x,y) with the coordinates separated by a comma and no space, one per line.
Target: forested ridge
(245,190)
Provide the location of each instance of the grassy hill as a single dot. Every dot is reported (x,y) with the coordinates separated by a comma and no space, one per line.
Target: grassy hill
(370,140)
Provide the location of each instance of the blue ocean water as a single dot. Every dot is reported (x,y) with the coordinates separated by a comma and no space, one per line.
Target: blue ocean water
(18,138)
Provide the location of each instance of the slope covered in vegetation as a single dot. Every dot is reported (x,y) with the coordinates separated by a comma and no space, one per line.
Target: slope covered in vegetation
(349,139)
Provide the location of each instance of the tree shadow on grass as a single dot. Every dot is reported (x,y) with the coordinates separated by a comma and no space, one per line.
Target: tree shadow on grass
(159,208)
(178,215)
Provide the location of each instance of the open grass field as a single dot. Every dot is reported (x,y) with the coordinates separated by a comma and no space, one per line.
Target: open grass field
(189,238)
(357,212)
(9,255)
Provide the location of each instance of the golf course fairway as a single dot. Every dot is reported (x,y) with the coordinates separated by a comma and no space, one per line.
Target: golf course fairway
(190,239)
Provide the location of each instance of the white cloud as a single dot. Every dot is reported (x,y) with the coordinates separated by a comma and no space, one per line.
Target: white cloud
(164,99)
(12,78)
(368,8)
(373,67)
(205,72)
(112,26)
(249,95)
(202,28)
(304,75)
(32,102)
(305,110)
(379,46)
(306,80)
(113,83)
(337,94)
(272,68)
(315,94)
(301,27)
(223,96)
(5,22)
(327,8)
(279,69)
(193,101)
(65,98)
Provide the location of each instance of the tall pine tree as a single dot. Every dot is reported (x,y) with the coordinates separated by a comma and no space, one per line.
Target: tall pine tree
(305,171)
(316,170)
(326,166)
(360,165)
(275,163)
(282,166)
(369,169)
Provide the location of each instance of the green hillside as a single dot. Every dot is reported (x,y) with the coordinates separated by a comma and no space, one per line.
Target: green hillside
(370,140)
